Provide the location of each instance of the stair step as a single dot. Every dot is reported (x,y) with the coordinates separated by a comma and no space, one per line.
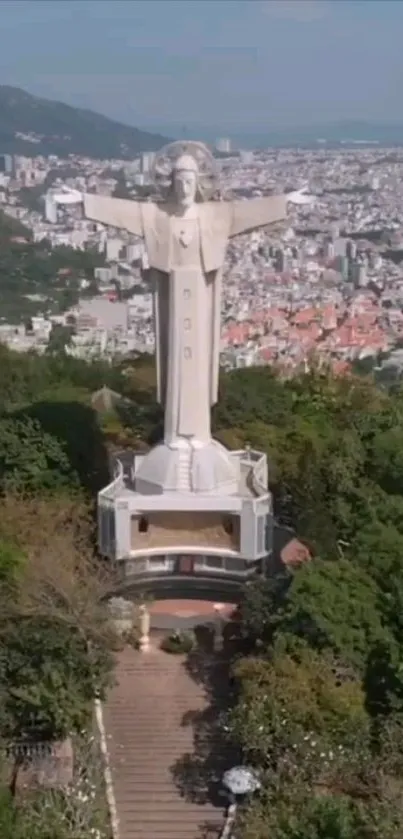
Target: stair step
(165,792)
(187,831)
(153,717)
(168,809)
(194,822)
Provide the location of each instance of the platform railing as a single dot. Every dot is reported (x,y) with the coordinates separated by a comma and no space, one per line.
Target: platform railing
(118,483)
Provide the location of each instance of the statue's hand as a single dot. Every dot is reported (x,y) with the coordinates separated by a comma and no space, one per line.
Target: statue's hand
(68,196)
(300,197)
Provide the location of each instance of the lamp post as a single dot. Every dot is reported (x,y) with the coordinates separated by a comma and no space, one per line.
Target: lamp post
(239,782)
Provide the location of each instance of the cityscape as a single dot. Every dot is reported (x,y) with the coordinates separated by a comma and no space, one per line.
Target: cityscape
(326,284)
(201,423)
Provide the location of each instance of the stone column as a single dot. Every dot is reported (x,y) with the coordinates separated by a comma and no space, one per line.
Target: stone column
(122,530)
(144,624)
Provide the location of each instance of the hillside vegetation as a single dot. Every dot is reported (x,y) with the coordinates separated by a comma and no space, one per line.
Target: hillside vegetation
(319,684)
(56,128)
(36,278)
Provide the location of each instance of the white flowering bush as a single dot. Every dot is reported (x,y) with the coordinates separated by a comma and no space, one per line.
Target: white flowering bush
(295,721)
(77,812)
(310,816)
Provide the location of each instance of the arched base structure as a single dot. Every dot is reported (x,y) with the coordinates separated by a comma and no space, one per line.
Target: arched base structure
(175,543)
(213,590)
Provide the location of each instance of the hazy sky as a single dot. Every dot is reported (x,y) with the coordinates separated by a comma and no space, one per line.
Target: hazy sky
(229,64)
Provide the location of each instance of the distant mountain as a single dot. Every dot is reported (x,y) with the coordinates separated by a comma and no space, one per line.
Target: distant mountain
(31,126)
(346,131)
(342,132)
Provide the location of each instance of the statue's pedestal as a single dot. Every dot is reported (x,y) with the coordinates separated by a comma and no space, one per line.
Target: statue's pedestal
(166,535)
(203,469)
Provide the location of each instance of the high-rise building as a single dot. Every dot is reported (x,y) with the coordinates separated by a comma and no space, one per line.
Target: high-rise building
(358,274)
(147,160)
(343,265)
(340,247)
(134,252)
(6,164)
(279,261)
(223,144)
(50,210)
(246,157)
(351,249)
(113,248)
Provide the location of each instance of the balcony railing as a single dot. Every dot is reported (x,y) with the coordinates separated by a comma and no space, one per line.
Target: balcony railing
(187,565)
(112,490)
(248,458)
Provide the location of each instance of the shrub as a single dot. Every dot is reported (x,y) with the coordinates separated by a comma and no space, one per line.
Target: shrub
(178,642)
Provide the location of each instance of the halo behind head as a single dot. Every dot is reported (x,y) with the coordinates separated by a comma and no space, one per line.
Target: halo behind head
(191,156)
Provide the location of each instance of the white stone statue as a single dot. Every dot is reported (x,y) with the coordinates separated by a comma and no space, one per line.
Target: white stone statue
(186,238)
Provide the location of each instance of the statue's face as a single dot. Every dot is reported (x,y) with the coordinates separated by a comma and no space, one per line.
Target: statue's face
(185,187)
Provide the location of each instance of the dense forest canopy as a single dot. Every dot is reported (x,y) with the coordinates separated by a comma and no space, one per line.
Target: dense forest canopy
(320,681)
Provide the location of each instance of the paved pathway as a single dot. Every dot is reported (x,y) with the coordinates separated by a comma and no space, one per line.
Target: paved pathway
(187,614)
(158,721)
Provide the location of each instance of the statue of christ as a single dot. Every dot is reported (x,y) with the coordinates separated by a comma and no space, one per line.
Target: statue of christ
(186,239)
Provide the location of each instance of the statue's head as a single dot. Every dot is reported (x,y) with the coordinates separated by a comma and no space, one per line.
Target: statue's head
(185,172)
(185,180)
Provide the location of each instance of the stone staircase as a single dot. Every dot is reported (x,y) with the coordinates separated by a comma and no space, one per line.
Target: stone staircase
(184,467)
(158,722)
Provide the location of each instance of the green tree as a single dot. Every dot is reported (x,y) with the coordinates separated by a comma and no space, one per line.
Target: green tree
(74,426)
(55,634)
(49,678)
(59,339)
(296,716)
(335,606)
(31,460)
(335,816)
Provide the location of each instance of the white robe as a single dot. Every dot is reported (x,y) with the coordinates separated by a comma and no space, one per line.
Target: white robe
(188,363)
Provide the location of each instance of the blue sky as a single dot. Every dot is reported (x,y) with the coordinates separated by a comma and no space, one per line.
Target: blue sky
(228,64)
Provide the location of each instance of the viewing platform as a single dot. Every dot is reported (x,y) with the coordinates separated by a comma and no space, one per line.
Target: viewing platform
(180,541)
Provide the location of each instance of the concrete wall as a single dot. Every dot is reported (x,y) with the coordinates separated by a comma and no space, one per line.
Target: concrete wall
(161,529)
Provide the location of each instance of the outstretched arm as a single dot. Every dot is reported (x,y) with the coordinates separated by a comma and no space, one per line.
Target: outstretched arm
(257,212)
(115,212)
